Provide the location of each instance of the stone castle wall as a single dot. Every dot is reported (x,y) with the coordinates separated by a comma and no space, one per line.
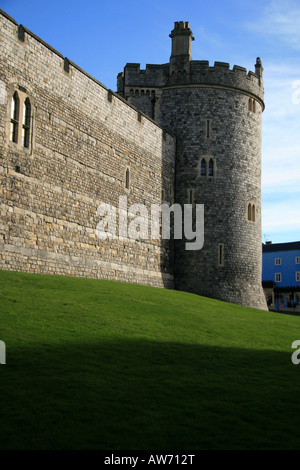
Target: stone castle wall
(89,146)
(83,139)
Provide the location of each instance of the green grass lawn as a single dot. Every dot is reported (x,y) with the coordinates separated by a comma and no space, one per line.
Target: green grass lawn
(94,364)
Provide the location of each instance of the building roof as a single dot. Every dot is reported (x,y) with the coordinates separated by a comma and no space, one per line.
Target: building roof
(273,247)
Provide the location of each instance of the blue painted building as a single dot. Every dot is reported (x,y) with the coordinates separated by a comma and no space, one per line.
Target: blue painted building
(281,274)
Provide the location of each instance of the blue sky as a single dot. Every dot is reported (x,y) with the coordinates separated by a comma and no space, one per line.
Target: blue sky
(102,36)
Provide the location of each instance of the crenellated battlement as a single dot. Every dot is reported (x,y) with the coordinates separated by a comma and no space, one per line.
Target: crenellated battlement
(80,146)
(21,34)
(180,25)
(182,71)
(153,76)
(200,74)
(221,75)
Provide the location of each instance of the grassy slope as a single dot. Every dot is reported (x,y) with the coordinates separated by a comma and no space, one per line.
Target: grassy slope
(104,365)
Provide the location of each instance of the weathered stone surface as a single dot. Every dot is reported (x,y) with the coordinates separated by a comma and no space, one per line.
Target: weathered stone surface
(207,108)
(88,143)
(84,137)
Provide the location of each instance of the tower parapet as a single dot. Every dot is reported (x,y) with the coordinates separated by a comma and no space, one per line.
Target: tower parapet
(200,73)
(182,71)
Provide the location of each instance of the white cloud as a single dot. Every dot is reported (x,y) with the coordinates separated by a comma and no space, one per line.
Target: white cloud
(281,169)
(280,131)
(280,19)
(282,90)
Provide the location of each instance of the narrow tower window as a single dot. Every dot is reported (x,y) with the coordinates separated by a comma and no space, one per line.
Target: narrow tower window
(14,118)
(127,179)
(26,123)
(208,128)
(221,254)
(250,105)
(211,167)
(203,167)
(251,212)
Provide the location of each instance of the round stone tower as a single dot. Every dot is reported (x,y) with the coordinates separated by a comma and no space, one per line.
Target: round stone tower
(215,114)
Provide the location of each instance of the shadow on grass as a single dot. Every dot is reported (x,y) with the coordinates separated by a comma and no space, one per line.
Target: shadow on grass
(137,394)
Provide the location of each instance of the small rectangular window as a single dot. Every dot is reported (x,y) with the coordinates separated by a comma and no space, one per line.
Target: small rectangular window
(252,105)
(297,259)
(277,261)
(277,277)
(298,276)
(221,254)
(208,128)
